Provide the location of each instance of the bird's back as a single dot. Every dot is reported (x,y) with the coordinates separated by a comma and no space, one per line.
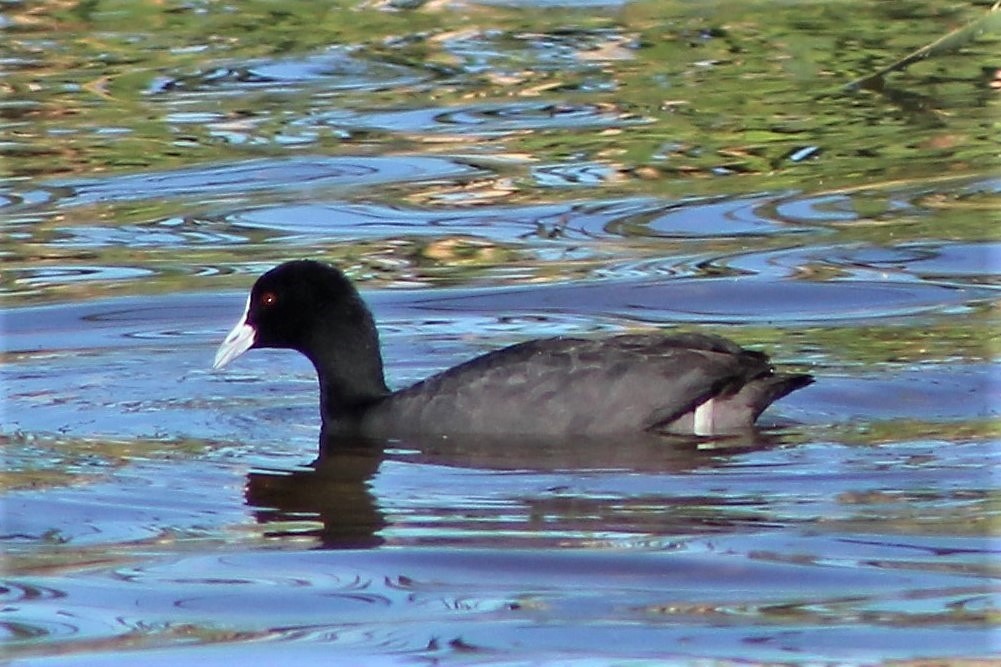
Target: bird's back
(573,386)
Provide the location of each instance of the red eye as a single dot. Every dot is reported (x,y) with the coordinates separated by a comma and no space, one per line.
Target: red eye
(268,299)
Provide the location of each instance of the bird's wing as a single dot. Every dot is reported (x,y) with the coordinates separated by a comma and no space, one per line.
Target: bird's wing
(573,386)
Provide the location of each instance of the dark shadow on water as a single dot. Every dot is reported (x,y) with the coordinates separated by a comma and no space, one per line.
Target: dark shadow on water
(335,490)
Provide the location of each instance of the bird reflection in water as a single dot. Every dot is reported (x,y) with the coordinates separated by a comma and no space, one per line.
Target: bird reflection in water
(331,500)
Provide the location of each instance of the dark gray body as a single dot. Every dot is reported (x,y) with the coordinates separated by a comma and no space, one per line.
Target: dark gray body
(571,386)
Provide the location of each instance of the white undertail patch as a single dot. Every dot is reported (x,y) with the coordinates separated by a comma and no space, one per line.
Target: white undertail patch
(702,421)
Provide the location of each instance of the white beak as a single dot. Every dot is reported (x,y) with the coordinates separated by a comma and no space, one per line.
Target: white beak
(237,341)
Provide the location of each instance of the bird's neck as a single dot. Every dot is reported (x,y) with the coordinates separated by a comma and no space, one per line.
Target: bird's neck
(351,378)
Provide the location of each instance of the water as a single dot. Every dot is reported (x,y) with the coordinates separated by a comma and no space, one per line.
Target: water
(527,170)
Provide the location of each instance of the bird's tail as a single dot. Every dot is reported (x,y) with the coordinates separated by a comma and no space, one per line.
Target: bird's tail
(734,412)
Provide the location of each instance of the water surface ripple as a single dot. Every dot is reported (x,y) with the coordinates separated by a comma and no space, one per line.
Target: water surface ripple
(489,173)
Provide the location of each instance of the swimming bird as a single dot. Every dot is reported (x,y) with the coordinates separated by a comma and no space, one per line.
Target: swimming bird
(688,384)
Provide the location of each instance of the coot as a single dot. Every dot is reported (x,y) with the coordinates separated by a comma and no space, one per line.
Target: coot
(691,384)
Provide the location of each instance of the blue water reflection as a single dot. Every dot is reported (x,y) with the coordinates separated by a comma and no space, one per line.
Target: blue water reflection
(488,174)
